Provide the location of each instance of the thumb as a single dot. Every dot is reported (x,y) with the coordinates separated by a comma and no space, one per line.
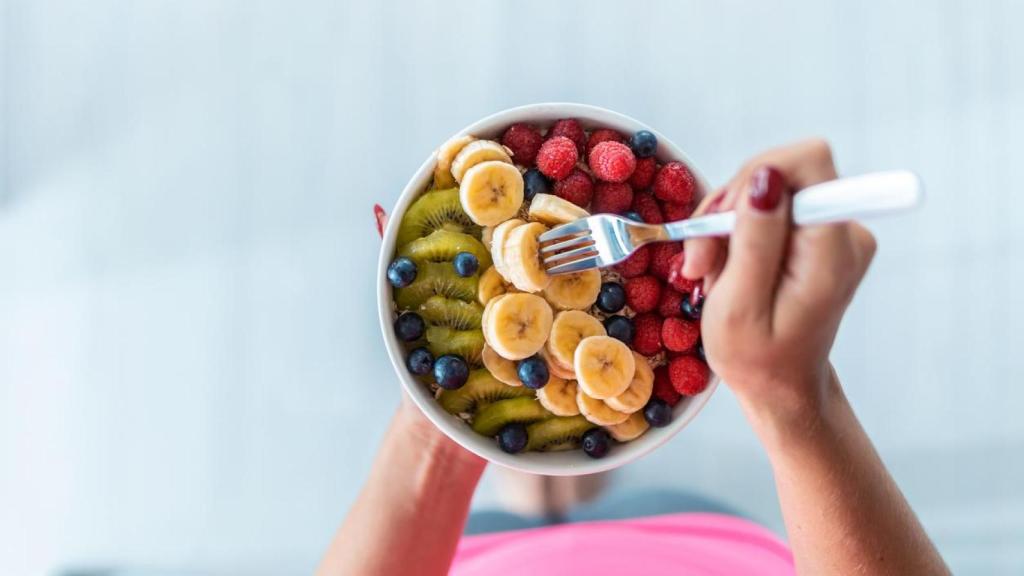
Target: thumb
(757,246)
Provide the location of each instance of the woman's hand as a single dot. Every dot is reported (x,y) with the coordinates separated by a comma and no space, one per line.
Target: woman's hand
(775,293)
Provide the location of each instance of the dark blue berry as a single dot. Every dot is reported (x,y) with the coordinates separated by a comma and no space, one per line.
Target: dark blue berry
(420,361)
(611,298)
(620,328)
(633,216)
(691,309)
(534,183)
(658,413)
(533,372)
(644,144)
(401,272)
(465,264)
(700,351)
(596,442)
(409,326)
(512,438)
(451,372)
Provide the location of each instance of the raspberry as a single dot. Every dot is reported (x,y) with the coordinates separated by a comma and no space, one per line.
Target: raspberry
(643,293)
(674,212)
(688,374)
(661,258)
(647,340)
(636,264)
(675,183)
(557,157)
(612,161)
(675,275)
(611,197)
(679,334)
(524,141)
(643,176)
(668,307)
(571,129)
(602,135)
(663,387)
(577,187)
(646,206)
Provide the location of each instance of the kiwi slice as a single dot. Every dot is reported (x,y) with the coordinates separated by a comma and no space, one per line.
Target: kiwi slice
(458,314)
(558,433)
(466,343)
(435,210)
(490,419)
(435,278)
(443,245)
(480,390)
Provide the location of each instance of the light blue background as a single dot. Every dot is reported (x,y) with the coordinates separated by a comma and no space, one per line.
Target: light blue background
(191,375)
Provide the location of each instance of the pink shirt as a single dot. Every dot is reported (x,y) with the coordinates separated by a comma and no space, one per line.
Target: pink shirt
(690,544)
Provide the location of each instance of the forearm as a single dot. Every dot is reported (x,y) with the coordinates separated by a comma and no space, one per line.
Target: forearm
(844,514)
(410,515)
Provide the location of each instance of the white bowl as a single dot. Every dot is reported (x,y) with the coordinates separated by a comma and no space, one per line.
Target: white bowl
(569,463)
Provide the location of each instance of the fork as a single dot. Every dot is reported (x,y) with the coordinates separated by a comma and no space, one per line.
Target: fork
(605,239)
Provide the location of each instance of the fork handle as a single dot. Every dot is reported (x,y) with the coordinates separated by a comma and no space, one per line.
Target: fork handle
(833,201)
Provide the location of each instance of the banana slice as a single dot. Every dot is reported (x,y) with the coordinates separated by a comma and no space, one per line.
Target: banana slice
(486,235)
(552,210)
(631,429)
(445,154)
(604,366)
(498,238)
(517,325)
(521,256)
(559,397)
(478,152)
(597,411)
(568,329)
(491,285)
(639,392)
(491,192)
(502,369)
(557,369)
(576,291)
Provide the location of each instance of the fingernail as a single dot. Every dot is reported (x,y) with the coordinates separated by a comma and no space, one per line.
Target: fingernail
(767,188)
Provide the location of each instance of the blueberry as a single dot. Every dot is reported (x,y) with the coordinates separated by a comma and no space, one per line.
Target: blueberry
(611,298)
(512,438)
(420,361)
(534,183)
(465,264)
(644,144)
(700,351)
(401,272)
(451,372)
(658,413)
(620,328)
(596,442)
(691,309)
(633,216)
(409,326)
(533,372)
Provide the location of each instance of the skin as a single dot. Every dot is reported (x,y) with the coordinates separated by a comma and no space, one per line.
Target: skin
(775,297)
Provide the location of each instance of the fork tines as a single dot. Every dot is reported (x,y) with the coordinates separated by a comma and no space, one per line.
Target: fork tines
(569,248)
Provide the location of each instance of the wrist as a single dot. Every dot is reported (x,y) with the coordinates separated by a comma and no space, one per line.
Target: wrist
(411,430)
(794,410)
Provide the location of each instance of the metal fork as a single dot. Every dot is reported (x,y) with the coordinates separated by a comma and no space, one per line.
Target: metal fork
(605,239)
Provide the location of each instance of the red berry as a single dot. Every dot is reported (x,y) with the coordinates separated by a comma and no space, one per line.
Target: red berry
(663,386)
(636,264)
(524,141)
(577,187)
(675,275)
(679,334)
(643,176)
(647,207)
(674,212)
(688,374)
(602,135)
(557,157)
(611,197)
(661,258)
(612,161)
(647,339)
(668,307)
(643,293)
(675,183)
(571,129)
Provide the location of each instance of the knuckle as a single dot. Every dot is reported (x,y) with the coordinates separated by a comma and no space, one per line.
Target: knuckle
(819,150)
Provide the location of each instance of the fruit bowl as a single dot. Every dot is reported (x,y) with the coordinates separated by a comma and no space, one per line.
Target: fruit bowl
(554,463)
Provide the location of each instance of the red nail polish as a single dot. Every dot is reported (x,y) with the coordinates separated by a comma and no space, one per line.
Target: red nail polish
(767,188)
(714,204)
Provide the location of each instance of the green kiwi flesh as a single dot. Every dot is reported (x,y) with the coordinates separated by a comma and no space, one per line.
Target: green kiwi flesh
(491,418)
(480,390)
(558,433)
